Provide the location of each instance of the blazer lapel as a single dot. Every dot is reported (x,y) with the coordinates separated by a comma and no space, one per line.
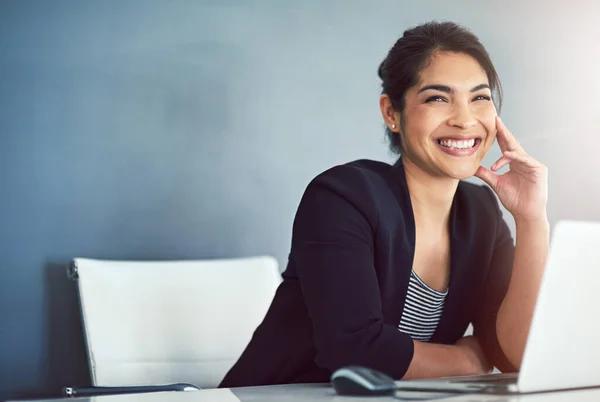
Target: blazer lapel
(454,313)
(405,249)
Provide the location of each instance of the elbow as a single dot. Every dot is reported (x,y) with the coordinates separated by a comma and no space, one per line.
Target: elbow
(513,354)
(383,349)
(348,346)
(334,354)
(512,344)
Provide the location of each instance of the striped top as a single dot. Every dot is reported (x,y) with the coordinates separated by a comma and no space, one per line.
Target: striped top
(422,310)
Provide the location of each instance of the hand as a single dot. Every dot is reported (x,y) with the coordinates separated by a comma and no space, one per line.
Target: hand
(476,360)
(523,190)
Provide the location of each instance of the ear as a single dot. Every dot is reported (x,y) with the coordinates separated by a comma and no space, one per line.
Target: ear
(390,116)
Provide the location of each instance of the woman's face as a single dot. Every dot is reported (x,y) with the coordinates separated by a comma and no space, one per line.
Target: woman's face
(448,123)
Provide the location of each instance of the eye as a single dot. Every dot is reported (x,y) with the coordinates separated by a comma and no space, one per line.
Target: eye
(482,97)
(435,98)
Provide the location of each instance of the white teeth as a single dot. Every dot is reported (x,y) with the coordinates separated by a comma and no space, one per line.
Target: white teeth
(458,144)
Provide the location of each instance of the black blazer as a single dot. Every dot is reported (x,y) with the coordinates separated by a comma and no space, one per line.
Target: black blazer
(344,287)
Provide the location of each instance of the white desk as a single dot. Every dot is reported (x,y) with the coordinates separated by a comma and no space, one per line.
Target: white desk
(319,392)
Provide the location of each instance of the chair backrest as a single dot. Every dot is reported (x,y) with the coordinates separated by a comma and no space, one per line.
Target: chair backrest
(160,322)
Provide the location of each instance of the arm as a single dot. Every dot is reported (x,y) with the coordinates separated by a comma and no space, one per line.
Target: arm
(523,191)
(516,311)
(334,254)
(333,251)
(433,360)
(497,282)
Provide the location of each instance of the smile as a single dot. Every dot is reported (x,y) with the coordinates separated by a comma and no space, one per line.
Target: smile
(455,147)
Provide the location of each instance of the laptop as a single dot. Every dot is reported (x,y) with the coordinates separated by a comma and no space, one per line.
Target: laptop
(563,346)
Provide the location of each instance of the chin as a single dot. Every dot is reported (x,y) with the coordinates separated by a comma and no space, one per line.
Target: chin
(461,172)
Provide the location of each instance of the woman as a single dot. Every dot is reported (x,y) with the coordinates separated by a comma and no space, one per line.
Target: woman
(390,264)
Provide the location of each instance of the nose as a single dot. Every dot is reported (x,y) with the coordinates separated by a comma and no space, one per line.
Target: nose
(462,117)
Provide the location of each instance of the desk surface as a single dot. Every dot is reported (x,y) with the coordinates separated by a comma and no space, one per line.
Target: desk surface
(320,392)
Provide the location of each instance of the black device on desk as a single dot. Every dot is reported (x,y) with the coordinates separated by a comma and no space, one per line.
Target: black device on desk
(360,380)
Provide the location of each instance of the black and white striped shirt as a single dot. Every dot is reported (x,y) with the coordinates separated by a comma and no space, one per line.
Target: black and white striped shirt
(422,310)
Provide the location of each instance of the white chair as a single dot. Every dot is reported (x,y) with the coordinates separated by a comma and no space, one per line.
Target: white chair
(163,322)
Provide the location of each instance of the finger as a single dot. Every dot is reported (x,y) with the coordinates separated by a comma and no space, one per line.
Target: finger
(500,163)
(506,140)
(506,158)
(521,157)
(489,177)
(501,129)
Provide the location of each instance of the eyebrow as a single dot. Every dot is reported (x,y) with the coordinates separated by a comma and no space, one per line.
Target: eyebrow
(448,90)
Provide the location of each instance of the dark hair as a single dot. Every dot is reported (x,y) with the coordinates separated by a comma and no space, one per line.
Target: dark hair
(414,50)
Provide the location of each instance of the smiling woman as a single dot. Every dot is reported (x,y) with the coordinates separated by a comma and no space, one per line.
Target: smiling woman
(451,87)
(390,264)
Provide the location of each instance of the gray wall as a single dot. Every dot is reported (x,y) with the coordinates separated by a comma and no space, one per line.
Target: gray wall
(189,129)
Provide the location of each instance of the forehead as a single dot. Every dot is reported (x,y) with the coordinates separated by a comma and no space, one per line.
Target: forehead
(457,70)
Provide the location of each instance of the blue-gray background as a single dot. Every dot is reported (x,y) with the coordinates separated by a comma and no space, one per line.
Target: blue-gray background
(189,129)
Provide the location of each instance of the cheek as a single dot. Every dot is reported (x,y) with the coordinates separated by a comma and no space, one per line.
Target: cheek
(422,122)
(487,117)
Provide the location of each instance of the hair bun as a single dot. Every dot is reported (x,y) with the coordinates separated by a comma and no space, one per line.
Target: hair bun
(381,70)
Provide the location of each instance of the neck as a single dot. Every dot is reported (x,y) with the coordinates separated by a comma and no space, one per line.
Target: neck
(431,196)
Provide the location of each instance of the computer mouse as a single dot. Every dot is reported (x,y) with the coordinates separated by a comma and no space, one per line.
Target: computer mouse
(360,380)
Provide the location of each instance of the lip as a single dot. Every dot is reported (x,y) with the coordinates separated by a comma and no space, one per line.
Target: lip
(464,152)
(460,137)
